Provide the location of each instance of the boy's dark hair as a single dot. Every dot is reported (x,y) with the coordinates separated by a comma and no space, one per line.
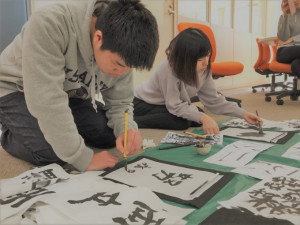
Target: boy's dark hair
(184,52)
(130,30)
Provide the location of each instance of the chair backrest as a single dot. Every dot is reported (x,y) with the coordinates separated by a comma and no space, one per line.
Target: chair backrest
(277,66)
(260,54)
(274,50)
(264,55)
(207,30)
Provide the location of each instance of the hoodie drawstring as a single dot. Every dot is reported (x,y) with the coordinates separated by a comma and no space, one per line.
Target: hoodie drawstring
(93,86)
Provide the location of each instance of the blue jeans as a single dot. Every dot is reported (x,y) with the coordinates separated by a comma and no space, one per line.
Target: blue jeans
(22,137)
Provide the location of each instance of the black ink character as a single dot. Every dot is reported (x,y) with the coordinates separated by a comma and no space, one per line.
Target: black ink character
(142,166)
(171,178)
(42,179)
(284,201)
(142,212)
(24,197)
(97,198)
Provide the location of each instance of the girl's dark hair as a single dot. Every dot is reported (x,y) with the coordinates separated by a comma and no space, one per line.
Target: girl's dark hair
(130,30)
(184,52)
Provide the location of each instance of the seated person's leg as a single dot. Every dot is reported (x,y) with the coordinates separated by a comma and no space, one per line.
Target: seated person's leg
(92,125)
(21,135)
(295,66)
(157,116)
(288,54)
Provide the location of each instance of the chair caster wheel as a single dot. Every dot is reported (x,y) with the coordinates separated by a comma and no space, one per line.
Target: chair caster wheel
(279,102)
(267,98)
(294,98)
(254,90)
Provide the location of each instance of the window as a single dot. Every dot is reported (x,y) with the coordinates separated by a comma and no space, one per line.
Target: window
(221,12)
(194,9)
(243,15)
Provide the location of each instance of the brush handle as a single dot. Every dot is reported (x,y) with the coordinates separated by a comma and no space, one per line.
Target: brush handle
(125,132)
(175,146)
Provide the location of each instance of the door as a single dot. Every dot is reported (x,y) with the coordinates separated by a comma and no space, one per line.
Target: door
(165,14)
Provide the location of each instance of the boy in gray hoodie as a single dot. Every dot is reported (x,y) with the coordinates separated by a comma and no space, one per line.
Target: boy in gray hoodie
(51,72)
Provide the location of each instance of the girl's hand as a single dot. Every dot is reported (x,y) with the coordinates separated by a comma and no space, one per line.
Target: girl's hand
(285,7)
(285,42)
(209,125)
(252,119)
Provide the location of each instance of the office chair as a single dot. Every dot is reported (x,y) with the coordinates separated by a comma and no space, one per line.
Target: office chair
(218,69)
(286,69)
(262,67)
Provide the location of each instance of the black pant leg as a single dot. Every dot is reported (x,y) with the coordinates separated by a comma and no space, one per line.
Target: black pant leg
(21,136)
(296,67)
(157,116)
(92,125)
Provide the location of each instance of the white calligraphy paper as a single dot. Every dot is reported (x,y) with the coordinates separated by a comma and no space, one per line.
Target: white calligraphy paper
(33,179)
(87,199)
(238,153)
(287,125)
(251,134)
(293,152)
(263,170)
(164,178)
(111,203)
(277,197)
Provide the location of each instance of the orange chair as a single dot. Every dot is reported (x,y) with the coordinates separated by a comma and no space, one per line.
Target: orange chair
(286,69)
(262,67)
(218,69)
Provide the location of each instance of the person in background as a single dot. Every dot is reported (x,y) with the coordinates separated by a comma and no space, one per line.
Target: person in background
(52,71)
(288,50)
(164,102)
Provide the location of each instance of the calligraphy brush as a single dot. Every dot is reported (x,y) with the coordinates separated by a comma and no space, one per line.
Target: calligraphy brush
(125,137)
(176,146)
(260,130)
(205,182)
(199,136)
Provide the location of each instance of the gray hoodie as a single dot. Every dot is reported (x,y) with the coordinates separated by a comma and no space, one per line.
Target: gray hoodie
(289,27)
(164,88)
(52,60)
